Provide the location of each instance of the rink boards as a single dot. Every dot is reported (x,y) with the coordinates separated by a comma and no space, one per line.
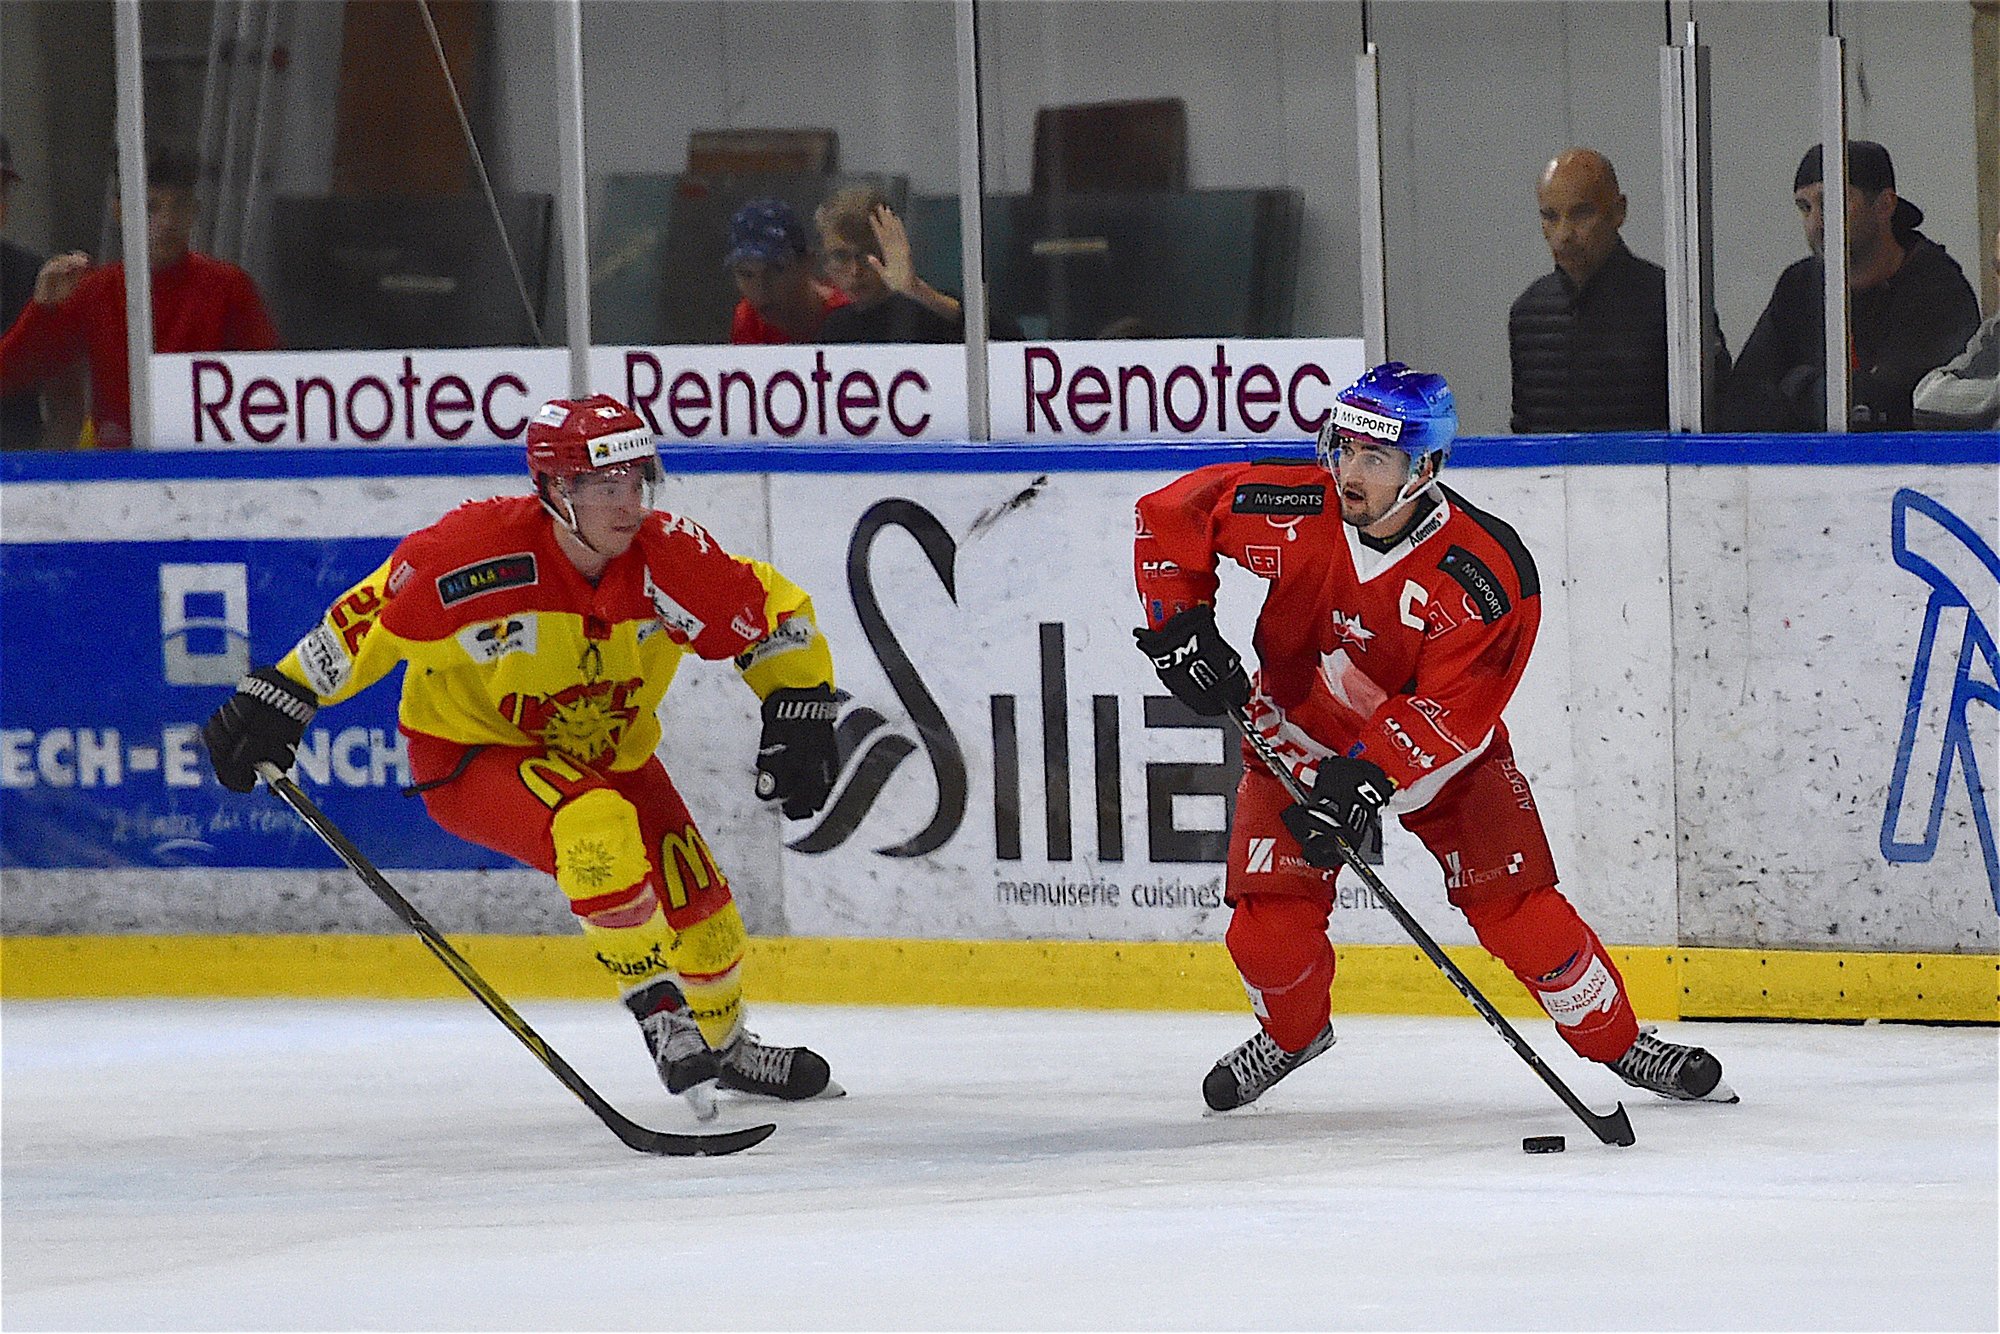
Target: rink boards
(1761,723)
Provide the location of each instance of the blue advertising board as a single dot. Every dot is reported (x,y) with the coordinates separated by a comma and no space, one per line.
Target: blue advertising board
(113,653)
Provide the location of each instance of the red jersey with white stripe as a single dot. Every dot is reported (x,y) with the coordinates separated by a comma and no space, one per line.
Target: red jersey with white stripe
(1405,656)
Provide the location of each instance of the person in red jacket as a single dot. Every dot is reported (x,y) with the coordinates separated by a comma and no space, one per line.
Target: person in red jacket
(540,634)
(200,304)
(1397,622)
(770,257)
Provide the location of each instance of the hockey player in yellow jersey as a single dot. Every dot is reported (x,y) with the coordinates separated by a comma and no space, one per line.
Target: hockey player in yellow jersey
(541,633)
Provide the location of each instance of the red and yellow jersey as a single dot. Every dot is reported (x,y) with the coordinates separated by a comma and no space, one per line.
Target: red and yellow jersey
(507,644)
(1405,656)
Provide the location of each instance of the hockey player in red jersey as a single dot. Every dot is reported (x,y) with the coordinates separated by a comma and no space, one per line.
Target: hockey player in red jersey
(541,633)
(1397,622)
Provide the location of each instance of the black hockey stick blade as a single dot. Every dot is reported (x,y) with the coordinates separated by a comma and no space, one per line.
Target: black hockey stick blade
(668,1144)
(1611,1128)
(631,1133)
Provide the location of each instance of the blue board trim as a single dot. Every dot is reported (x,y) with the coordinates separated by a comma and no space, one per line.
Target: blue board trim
(1549,451)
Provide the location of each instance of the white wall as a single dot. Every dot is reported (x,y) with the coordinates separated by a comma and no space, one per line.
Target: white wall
(1713,756)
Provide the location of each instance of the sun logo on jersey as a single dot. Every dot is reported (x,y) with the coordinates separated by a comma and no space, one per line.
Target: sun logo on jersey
(583,728)
(583,721)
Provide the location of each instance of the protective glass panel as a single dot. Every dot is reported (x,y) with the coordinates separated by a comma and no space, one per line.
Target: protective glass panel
(58,186)
(694,111)
(346,197)
(1168,169)
(1478,99)
(1911,86)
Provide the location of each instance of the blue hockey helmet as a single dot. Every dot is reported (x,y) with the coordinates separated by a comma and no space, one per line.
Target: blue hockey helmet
(1392,404)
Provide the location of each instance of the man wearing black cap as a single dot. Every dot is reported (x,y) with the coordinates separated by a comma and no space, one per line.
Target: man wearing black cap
(1910,309)
(20,414)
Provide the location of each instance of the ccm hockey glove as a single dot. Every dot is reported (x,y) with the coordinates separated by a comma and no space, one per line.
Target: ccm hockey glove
(1346,806)
(1195,662)
(796,757)
(262,721)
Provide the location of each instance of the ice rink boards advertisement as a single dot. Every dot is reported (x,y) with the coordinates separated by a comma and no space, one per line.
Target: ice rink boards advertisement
(1762,711)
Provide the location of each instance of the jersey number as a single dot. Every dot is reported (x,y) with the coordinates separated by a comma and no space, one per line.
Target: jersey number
(353,615)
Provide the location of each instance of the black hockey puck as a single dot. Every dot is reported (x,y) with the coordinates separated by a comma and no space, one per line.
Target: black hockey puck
(1544,1144)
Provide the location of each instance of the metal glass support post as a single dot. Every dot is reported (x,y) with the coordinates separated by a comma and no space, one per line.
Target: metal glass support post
(971,220)
(1677,228)
(1374,260)
(570,217)
(274,17)
(132,217)
(215,119)
(1687,189)
(1833,157)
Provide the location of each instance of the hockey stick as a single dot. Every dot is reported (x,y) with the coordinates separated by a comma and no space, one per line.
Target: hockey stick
(631,1132)
(1615,1128)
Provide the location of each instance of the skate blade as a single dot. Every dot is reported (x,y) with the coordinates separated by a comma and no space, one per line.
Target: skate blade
(1720,1093)
(1208,1111)
(832,1090)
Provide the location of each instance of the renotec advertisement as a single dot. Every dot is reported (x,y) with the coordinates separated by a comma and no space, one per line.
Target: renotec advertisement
(1774,733)
(1170,389)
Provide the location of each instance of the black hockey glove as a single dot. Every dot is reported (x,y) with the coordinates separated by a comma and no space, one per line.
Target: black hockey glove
(1196,663)
(262,721)
(1346,805)
(796,757)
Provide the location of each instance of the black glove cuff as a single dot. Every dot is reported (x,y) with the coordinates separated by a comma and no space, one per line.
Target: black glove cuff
(1201,616)
(272,687)
(794,705)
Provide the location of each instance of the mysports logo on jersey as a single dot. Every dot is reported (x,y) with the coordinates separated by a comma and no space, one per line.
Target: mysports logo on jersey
(1956,667)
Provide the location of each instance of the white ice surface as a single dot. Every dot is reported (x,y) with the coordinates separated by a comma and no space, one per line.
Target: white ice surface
(408,1166)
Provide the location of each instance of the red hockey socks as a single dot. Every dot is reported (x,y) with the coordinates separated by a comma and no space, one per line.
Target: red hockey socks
(1279,945)
(1564,966)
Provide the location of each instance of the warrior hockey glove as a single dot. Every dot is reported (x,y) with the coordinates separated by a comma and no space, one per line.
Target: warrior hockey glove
(262,721)
(1346,806)
(1196,663)
(796,757)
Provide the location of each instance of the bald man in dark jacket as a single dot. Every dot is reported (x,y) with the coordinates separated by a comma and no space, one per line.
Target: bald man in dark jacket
(1589,341)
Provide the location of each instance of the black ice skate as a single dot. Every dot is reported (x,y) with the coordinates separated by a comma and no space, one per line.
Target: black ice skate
(791,1073)
(1244,1075)
(686,1064)
(1686,1074)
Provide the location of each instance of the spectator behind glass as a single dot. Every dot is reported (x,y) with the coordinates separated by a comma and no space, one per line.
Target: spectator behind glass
(770,256)
(1909,309)
(20,414)
(1964,393)
(867,253)
(199,305)
(1588,341)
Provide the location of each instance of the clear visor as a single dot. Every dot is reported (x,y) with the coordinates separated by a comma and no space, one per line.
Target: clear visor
(620,483)
(1364,456)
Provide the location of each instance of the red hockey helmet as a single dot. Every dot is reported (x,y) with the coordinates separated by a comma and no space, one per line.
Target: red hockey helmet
(572,436)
